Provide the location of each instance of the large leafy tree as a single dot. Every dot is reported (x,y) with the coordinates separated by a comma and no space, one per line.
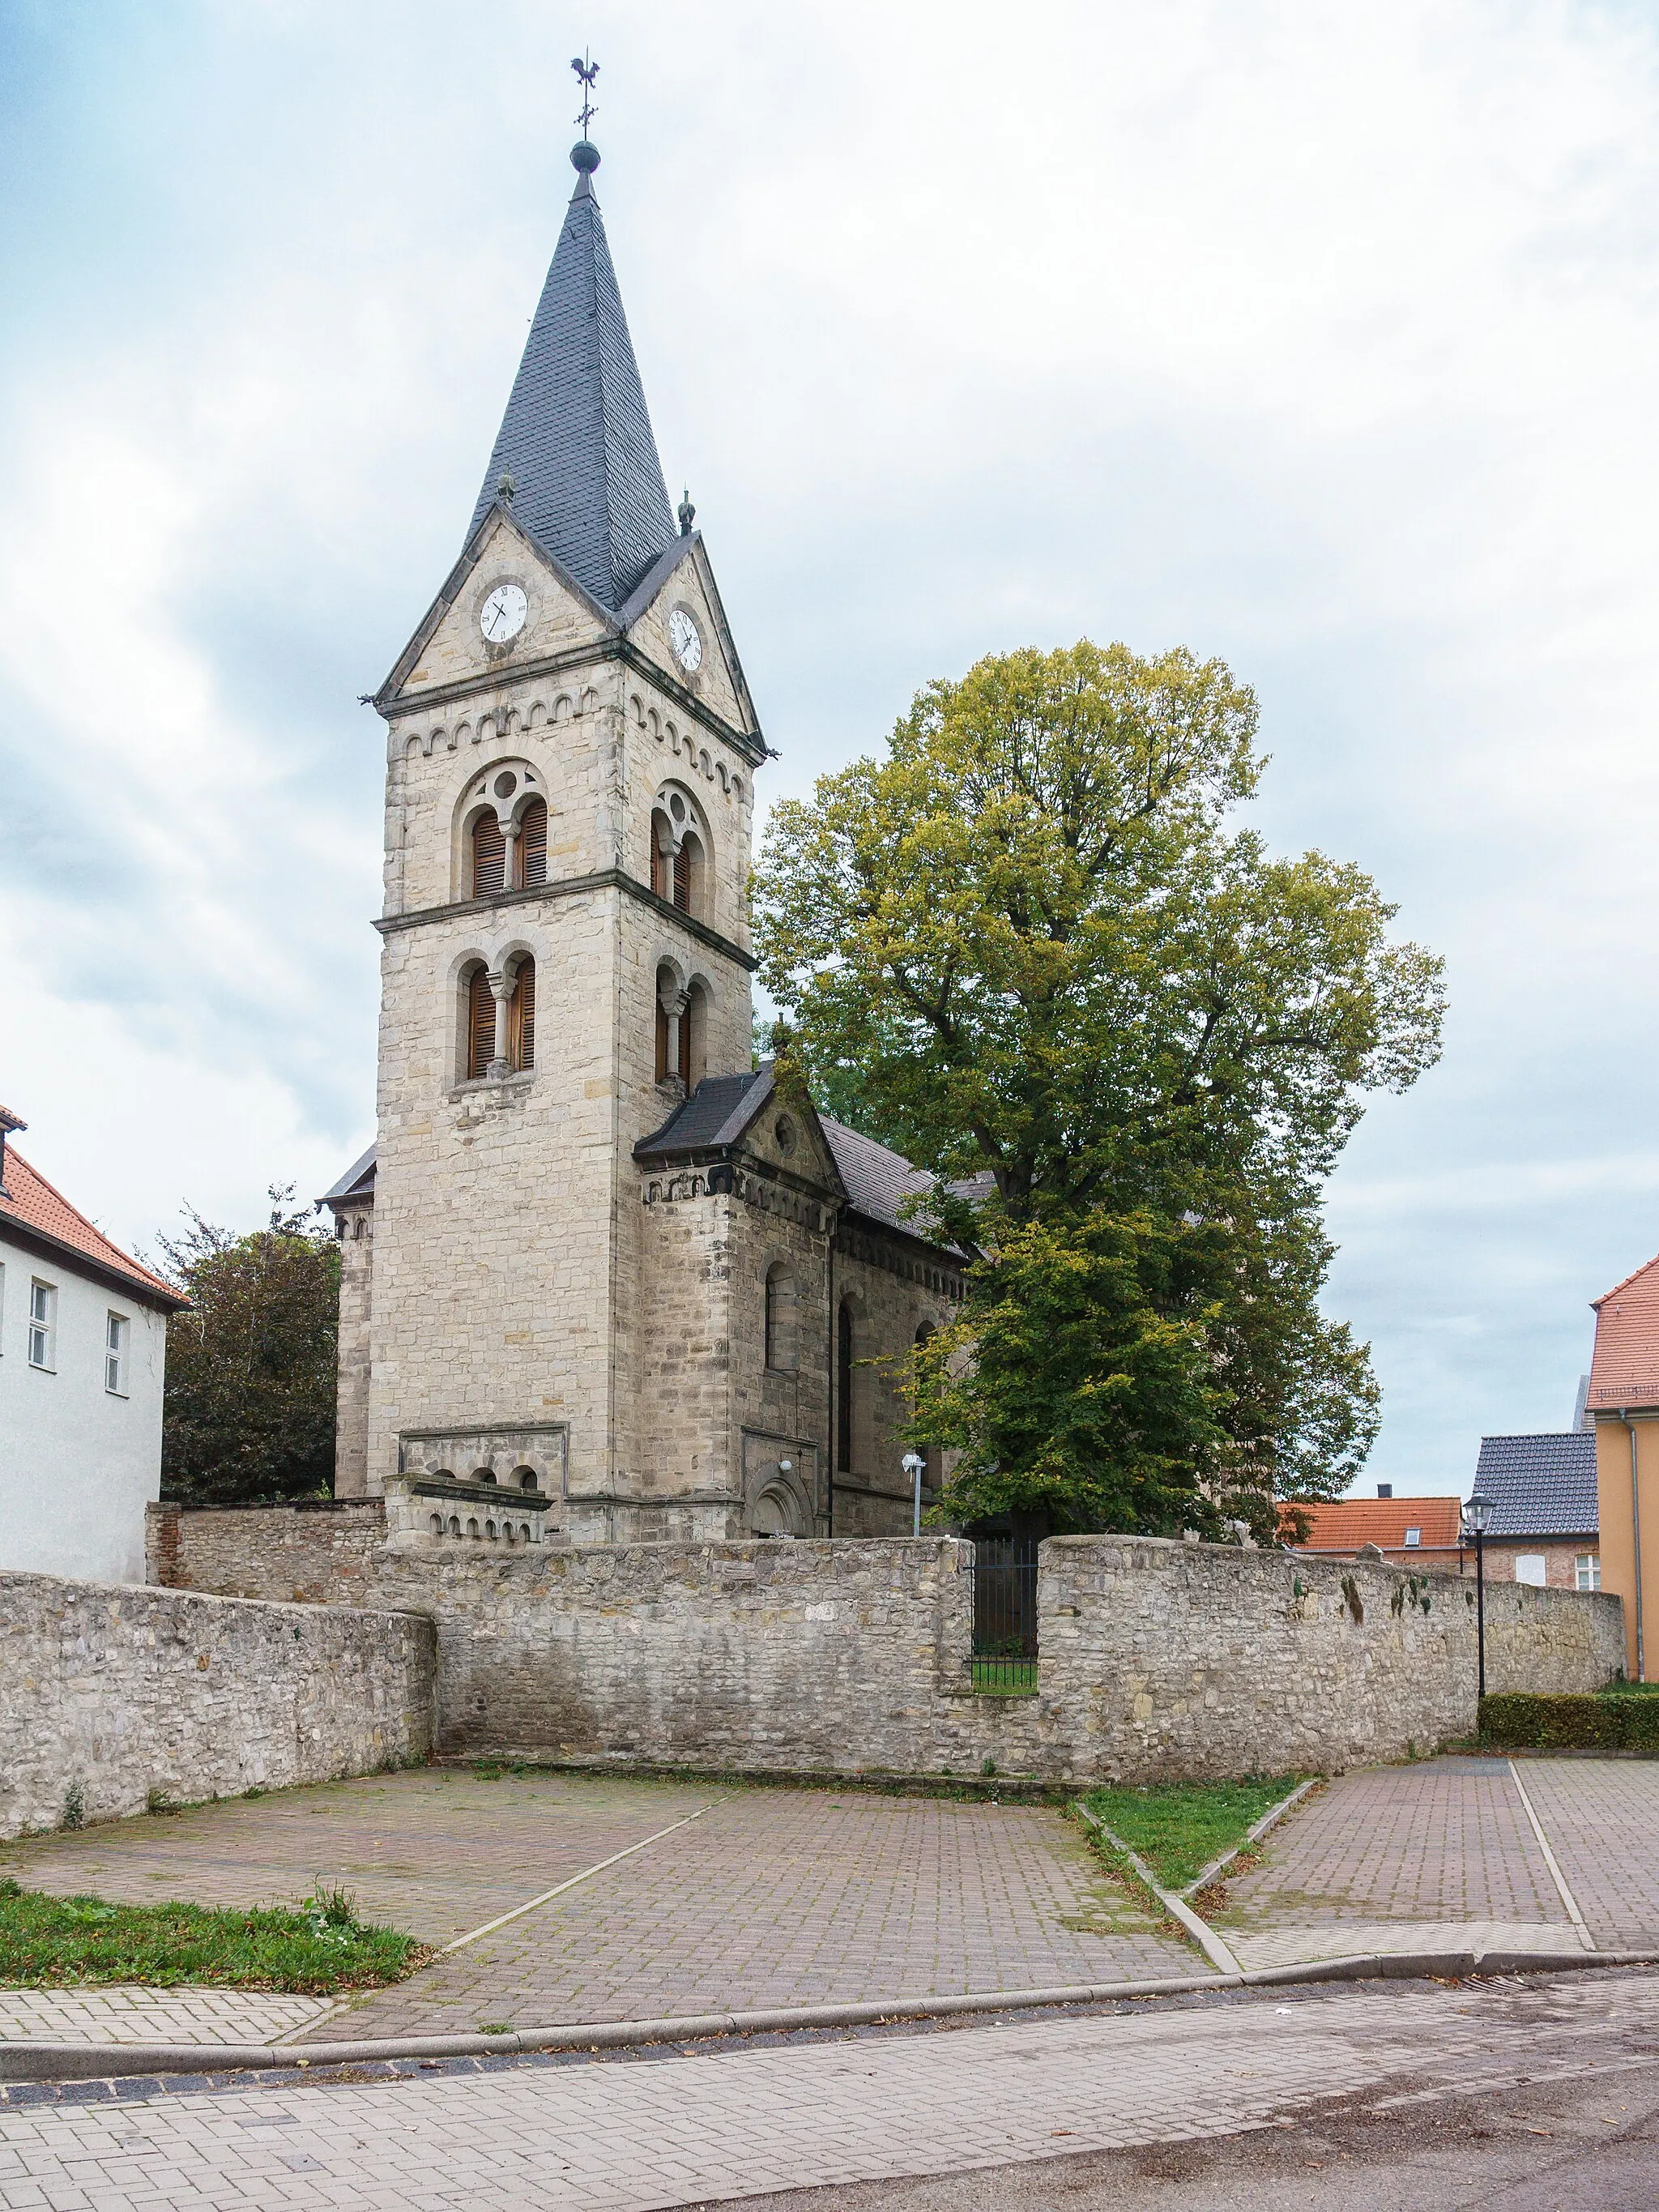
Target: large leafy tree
(248,1412)
(1032,952)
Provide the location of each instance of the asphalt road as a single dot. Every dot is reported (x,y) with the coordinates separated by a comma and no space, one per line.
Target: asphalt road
(1580,2135)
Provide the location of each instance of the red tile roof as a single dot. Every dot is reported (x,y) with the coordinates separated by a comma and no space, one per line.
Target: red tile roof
(1348,1522)
(1624,1367)
(33,1203)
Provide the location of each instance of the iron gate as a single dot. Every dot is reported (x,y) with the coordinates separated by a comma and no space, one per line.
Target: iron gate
(1005,1648)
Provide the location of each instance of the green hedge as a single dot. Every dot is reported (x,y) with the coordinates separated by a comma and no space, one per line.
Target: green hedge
(1534,1722)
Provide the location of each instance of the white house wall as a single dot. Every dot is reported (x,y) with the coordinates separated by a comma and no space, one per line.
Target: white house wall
(78,1464)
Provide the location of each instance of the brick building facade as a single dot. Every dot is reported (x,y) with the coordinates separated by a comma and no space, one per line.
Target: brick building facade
(591,1254)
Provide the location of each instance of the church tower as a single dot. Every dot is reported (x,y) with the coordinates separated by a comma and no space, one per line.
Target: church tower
(590,1261)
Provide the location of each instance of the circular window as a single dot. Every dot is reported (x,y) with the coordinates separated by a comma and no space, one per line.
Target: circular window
(505,784)
(677,808)
(784,1133)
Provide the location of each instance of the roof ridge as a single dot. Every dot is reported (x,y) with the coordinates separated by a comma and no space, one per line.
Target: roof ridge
(1634,1275)
(124,1259)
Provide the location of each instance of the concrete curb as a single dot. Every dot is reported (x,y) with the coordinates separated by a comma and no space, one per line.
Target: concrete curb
(1200,1931)
(84,2061)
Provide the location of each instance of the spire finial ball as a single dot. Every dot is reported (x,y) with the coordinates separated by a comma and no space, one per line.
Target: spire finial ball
(585,157)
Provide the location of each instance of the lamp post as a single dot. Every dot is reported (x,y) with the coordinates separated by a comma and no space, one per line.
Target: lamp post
(915,1467)
(1477,1518)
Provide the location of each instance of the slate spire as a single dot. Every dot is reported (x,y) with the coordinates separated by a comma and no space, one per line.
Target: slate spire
(576,439)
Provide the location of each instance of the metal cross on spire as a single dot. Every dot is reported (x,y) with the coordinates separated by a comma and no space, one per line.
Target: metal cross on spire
(587,69)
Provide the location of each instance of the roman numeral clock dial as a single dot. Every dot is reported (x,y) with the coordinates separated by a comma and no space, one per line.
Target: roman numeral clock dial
(501,616)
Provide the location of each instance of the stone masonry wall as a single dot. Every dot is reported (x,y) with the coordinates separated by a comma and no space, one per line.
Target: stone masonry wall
(124,1690)
(1158,1659)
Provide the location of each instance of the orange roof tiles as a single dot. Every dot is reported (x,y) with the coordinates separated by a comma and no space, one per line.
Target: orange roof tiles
(1625,1366)
(1348,1522)
(32,1202)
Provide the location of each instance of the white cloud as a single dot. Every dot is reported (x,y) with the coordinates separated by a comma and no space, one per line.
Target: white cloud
(1319,337)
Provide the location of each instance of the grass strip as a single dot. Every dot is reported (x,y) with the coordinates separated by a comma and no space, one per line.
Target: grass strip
(1178,1827)
(56,1942)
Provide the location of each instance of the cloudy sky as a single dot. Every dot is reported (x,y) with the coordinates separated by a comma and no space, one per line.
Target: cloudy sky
(1325,339)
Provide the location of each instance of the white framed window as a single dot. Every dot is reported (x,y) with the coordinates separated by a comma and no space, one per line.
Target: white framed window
(1414,1536)
(1531,1567)
(42,1325)
(1587,1571)
(116,1329)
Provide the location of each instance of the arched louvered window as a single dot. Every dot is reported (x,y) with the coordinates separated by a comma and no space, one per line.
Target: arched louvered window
(533,844)
(480,1024)
(489,857)
(521,1016)
(844,1389)
(682,877)
(662,1040)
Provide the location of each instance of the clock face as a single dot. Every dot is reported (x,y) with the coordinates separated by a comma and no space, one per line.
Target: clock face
(684,637)
(502,614)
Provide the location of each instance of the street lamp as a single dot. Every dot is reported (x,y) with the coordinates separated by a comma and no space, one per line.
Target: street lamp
(915,1467)
(1477,1518)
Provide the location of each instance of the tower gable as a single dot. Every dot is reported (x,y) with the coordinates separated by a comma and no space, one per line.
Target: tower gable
(684,579)
(450,647)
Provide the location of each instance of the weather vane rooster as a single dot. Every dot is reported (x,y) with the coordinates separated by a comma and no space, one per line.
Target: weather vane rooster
(586,70)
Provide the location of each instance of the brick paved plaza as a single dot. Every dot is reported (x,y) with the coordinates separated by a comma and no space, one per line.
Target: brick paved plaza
(729,1898)
(770,1897)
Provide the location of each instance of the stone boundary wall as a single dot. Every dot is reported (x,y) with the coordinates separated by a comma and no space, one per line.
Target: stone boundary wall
(126,1691)
(1158,1659)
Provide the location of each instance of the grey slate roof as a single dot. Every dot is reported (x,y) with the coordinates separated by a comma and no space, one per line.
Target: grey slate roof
(717,1112)
(877,1180)
(720,1110)
(576,438)
(1541,1485)
(358,1181)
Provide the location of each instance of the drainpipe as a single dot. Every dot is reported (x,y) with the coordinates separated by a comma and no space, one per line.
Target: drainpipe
(1636,1536)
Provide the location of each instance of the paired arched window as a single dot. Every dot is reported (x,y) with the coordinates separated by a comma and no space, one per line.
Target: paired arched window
(490,864)
(483,1031)
(679,852)
(781,1355)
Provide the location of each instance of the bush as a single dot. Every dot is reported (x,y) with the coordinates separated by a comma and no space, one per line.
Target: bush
(1536,1721)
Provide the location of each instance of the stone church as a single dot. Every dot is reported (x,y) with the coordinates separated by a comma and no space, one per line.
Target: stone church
(600,1284)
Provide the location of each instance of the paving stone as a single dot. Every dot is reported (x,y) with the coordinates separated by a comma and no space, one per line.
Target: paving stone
(683,2130)
(784,1897)
(1423,1842)
(435,1851)
(133,2013)
(1601,1816)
